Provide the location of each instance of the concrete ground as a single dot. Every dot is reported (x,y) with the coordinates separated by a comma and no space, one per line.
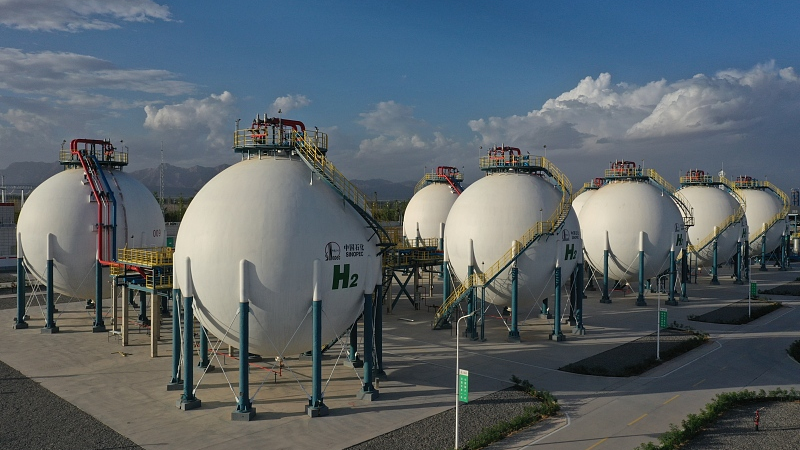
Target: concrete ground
(126,389)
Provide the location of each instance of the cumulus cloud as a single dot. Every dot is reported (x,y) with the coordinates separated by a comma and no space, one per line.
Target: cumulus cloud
(24,121)
(597,112)
(288,103)
(209,117)
(78,15)
(66,75)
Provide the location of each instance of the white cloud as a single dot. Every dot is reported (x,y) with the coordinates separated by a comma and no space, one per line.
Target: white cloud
(209,117)
(25,122)
(289,103)
(78,15)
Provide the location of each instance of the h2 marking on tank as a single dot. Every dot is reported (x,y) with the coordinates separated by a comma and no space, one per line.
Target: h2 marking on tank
(341,277)
(570,252)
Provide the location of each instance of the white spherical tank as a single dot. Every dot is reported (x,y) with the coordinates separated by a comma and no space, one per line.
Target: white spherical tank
(63,205)
(579,201)
(279,216)
(497,210)
(762,207)
(624,209)
(712,207)
(427,209)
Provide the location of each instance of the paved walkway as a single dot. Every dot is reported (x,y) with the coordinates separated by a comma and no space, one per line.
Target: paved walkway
(126,389)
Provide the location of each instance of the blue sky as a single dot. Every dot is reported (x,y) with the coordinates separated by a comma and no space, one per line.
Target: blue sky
(402,87)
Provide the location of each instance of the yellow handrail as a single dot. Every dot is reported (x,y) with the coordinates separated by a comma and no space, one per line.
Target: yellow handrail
(433,178)
(146,257)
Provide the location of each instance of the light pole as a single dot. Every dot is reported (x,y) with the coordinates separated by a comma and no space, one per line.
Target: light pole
(457,367)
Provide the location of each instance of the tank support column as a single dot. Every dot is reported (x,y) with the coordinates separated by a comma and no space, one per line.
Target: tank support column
(470,331)
(99,326)
(352,353)
(441,249)
(684,274)
(316,407)
(204,362)
(188,400)
(483,312)
(378,369)
(244,408)
(746,258)
(155,329)
(19,321)
(513,333)
(50,323)
(175,383)
(605,298)
(738,268)
(557,335)
(784,245)
(672,278)
(127,298)
(368,391)
(579,329)
(143,308)
(763,267)
(640,298)
(714,263)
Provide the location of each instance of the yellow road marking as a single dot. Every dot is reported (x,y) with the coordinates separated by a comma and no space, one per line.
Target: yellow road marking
(597,443)
(673,398)
(698,383)
(640,418)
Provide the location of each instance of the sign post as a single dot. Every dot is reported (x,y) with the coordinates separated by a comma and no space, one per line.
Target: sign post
(463,385)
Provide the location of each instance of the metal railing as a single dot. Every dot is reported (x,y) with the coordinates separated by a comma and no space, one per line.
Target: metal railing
(277,137)
(117,158)
(146,257)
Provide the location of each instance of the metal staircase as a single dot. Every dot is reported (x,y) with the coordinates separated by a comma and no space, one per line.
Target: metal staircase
(537,231)
(751,183)
(699,178)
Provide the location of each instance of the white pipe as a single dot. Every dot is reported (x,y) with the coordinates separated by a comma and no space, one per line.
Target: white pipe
(188,290)
(51,243)
(243,281)
(317,296)
(641,241)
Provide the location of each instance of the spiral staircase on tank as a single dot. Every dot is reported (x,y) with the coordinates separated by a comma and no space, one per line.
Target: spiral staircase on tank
(505,159)
(699,178)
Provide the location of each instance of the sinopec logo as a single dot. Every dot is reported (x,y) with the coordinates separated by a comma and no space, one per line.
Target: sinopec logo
(332,252)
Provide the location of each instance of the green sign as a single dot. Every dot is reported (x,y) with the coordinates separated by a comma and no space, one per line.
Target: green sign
(662,317)
(463,385)
(753,289)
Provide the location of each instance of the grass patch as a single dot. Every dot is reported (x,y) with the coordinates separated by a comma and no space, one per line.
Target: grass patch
(547,406)
(738,313)
(794,350)
(695,423)
(639,356)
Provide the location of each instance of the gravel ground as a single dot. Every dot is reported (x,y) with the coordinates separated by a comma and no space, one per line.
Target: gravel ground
(34,418)
(438,432)
(779,429)
(735,313)
(619,361)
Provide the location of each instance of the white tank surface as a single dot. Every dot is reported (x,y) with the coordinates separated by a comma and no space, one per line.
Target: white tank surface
(762,208)
(713,207)
(497,210)
(279,216)
(624,209)
(580,200)
(63,205)
(426,210)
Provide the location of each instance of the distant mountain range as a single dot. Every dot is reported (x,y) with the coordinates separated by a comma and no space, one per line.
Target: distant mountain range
(187,181)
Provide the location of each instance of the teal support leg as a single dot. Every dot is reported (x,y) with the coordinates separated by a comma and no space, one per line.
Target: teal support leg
(470,331)
(640,298)
(352,353)
(483,312)
(513,333)
(204,362)
(188,400)
(557,334)
(378,369)
(316,407)
(738,268)
(244,407)
(99,326)
(605,298)
(579,329)
(19,321)
(175,383)
(368,391)
(672,278)
(143,308)
(763,267)
(714,264)
(50,323)
(684,275)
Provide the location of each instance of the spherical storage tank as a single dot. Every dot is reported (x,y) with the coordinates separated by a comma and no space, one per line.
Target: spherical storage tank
(64,206)
(279,216)
(762,207)
(623,209)
(497,210)
(427,209)
(712,207)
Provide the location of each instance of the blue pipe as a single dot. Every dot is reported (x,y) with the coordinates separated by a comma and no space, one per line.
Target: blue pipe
(99,326)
